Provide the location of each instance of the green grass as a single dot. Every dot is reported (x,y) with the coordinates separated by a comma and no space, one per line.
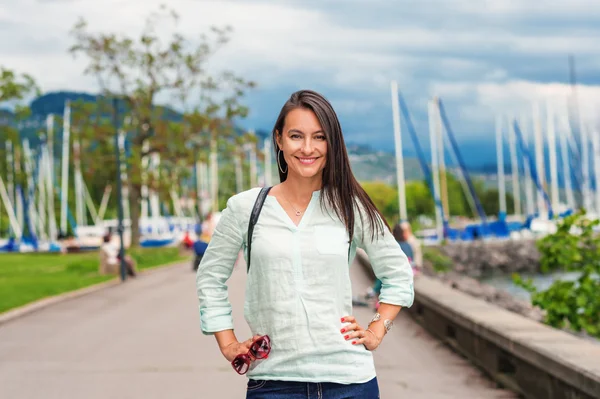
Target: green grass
(26,278)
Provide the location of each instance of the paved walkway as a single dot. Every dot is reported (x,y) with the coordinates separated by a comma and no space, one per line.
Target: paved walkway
(142,340)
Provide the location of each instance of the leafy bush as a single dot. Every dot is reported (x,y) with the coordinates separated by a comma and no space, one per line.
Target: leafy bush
(574,247)
(439,262)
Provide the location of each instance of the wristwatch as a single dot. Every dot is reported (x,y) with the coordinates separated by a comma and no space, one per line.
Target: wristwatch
(387,324)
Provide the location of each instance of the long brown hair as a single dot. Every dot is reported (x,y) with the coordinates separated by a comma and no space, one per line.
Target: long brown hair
(340,188)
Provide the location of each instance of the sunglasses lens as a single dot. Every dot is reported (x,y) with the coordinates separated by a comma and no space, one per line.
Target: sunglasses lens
(240,365)
(261,348)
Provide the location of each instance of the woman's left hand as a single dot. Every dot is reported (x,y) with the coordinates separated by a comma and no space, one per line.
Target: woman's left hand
(358,335)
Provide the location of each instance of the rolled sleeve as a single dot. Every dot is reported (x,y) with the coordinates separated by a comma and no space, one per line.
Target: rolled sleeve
(390,265)
(214,271)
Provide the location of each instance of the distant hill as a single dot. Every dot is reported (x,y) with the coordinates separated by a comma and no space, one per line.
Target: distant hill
(370,165)
(54,102)
(367,163)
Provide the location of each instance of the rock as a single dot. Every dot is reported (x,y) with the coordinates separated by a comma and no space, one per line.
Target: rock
(479,258)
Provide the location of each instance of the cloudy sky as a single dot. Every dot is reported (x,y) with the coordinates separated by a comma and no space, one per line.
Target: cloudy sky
(483,58)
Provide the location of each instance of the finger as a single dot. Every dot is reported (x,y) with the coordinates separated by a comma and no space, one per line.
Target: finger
(359,341)
(350,327)
(348,319)
(353,335)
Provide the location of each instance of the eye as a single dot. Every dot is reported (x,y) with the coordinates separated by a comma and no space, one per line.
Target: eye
(295,136)
(320,137)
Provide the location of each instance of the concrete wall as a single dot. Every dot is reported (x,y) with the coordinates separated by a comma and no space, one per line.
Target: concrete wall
(525,356)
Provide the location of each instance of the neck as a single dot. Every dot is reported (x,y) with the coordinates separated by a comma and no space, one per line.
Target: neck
(301,188)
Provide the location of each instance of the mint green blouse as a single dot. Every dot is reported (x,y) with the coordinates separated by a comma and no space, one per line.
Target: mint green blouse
(298,287)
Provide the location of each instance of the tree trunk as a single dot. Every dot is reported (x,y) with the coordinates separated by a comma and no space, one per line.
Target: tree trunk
(134,200)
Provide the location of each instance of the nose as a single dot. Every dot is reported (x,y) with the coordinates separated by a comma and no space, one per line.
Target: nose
(307,147)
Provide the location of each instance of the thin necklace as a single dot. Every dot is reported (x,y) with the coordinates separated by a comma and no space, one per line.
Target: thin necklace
(298,213)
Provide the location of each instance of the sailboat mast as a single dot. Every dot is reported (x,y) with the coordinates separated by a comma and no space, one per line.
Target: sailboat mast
(441,160)
(500,167)
(64,192)
(399,156)
(552,152)
(529,193)
(514,167)
(50,177)
(433,120)
(564,153)
(539,160)
(596,150)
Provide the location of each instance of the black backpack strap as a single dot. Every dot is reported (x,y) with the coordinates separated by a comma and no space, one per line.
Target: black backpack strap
(260,200)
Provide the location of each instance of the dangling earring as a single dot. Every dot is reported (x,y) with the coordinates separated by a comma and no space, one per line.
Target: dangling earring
(279,164)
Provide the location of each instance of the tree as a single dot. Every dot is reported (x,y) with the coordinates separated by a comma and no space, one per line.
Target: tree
(490,200)
(419,200)
(14,88)
(575,247)
(139,71)
(385,197)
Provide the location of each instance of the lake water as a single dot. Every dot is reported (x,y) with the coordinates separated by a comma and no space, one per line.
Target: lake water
(540,281)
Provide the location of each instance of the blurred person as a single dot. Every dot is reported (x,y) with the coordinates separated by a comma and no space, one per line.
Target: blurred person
(67,242)
(298,292)
(199,248)
(401,237)
(208,227)
(187,241)
(415,244)
(111,258)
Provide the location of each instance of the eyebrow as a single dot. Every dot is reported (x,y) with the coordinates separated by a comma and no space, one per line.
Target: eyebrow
(301,132)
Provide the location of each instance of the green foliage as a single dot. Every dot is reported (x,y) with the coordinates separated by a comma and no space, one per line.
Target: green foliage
(419,199)
(14,87)
(490,201)
(385,197)
(440,263)
(457,201)
(138,70)
(574,247)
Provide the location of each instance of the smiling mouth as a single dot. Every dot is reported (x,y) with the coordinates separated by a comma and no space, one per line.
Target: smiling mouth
(307,161)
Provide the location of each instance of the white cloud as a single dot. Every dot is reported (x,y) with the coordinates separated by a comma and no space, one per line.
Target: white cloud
(521,8)
(484,102)
(469,53)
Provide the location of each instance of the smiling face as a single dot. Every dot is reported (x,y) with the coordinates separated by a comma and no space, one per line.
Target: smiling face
(303,144)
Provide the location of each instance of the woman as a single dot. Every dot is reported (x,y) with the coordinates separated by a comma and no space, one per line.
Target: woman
(298,290)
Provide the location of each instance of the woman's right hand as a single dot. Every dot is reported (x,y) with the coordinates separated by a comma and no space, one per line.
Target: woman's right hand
(238,348)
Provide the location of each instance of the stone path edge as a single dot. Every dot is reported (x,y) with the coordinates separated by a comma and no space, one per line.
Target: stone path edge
(40,304)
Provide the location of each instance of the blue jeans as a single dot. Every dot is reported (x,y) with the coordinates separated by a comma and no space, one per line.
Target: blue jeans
(261,389)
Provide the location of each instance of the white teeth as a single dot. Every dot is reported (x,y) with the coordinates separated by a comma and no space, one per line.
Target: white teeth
(307,161)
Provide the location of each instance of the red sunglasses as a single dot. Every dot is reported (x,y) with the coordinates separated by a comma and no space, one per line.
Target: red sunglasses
(260,349)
